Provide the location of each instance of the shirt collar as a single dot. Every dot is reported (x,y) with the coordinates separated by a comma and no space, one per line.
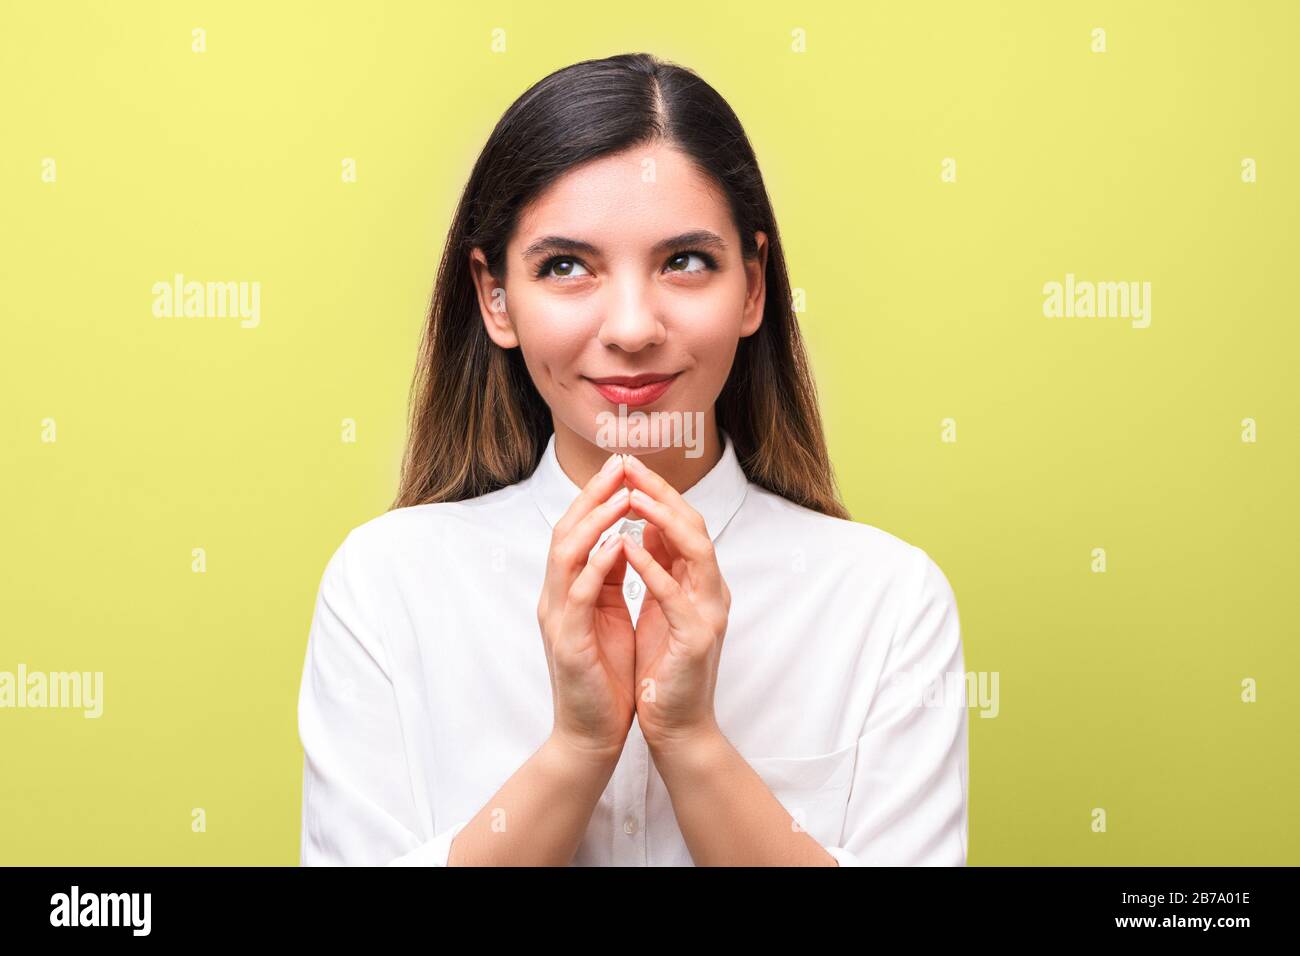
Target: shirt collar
(717,496)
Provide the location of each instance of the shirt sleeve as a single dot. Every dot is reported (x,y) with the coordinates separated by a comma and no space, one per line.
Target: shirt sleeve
(908,799)
(358,805)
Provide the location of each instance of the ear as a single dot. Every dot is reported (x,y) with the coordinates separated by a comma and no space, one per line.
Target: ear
(756,284)
(492,302)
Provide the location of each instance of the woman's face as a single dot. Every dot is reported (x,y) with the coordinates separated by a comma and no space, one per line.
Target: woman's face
(627,266)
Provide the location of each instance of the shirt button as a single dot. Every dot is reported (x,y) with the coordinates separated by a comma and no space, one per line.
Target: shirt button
(633,589)
(629,826)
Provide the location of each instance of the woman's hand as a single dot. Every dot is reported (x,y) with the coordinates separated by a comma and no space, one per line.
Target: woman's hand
(683,616)
(586,628)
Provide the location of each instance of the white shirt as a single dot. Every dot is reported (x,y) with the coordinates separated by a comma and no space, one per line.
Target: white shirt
(425,684)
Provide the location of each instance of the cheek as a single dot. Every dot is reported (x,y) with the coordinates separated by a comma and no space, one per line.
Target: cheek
(707,326)
(552,336)
(716,306)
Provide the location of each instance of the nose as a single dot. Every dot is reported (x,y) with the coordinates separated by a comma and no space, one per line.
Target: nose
(631,318)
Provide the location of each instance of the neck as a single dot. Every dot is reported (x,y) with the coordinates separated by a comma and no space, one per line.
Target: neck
(580,458)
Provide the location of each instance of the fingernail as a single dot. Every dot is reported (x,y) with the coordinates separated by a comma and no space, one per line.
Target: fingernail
(610,464)
(620,496)
(611,542)
(635,462)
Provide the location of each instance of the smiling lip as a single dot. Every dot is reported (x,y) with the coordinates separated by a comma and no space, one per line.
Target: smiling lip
(634,389)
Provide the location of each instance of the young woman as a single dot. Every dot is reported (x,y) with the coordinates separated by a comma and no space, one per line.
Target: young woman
(615,249)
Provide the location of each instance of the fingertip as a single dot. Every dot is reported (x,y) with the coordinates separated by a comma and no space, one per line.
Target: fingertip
(613,463)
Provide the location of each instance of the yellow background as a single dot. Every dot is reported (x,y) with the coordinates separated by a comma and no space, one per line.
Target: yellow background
(1119,690)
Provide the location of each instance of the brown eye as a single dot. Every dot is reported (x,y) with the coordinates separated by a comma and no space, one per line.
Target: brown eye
(681,261)
(560,267)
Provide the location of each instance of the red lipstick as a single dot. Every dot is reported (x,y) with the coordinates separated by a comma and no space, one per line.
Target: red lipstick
(634,389)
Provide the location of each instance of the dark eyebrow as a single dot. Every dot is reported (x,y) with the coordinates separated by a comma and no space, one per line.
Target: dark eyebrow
(558,245)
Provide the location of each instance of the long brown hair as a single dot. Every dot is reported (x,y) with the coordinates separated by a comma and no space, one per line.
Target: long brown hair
(477,422)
